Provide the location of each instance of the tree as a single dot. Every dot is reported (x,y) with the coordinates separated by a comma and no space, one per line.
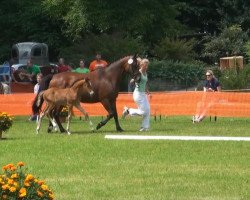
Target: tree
(231,41)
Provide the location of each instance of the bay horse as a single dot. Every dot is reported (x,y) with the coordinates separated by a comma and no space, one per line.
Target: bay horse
(57,97)
(105,83)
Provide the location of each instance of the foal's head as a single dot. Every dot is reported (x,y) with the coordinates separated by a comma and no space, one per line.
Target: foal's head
(88,86)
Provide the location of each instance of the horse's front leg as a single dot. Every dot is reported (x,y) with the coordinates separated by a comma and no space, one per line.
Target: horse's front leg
(111,108)
(118,127)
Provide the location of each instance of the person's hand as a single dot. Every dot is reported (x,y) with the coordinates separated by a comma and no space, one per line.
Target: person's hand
(132,80)
(210,90)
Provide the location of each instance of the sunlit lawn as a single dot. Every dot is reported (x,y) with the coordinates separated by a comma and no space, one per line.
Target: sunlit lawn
(84,165)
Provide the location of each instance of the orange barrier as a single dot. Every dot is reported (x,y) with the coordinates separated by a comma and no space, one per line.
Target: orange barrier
(175,103)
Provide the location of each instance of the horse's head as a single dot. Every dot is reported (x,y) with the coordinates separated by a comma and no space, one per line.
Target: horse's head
(88,86)
(133,65)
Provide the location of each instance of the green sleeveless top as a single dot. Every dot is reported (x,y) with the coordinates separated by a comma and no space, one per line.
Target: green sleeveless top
(141,86)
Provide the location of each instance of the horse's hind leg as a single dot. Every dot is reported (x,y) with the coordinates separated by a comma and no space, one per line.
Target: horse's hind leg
(78,106)
(55,114)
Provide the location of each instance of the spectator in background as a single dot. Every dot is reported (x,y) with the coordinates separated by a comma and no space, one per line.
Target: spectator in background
(62,67)
(36,89)
(97,63)
(38,79)
(31,72)
(211,84)
(81,68)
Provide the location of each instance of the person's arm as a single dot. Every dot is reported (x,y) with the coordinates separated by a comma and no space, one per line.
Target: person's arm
(219,88)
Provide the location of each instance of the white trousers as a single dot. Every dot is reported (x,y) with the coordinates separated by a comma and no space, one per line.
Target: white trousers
(143,109)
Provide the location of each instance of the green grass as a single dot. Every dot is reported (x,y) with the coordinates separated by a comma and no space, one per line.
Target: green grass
(84,165)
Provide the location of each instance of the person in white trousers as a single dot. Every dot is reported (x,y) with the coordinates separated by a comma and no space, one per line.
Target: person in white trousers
(140,97)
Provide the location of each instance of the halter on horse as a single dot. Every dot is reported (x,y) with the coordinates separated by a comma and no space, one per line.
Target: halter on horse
(105,83)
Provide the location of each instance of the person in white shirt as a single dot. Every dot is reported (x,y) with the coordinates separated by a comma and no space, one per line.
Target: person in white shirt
(38,79)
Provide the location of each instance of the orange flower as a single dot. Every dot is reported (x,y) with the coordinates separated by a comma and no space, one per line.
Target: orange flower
(13,168)
(41,182)
(44,187)
(39,193)
(12,189)
(22,192)
(10,181)
(5,187)
(20,164)
(26,183)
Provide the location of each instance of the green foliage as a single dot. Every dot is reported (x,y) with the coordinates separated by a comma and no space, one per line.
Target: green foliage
(112,47)
(231,41)
(182,73)
(175,49)
(233,79)
(211,16)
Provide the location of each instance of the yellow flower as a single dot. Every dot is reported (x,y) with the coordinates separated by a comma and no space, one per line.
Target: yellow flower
(22,192)
(44,187)
(12,189)
(14,176)
(29,177)
(51,196)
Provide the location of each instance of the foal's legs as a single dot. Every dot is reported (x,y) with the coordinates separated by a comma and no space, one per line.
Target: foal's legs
(78,106)
(46,111)
(70,107)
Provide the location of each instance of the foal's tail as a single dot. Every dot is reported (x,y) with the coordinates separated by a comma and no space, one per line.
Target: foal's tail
(38,101)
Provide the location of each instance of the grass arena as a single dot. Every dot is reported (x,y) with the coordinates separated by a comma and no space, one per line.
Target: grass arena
(86,165)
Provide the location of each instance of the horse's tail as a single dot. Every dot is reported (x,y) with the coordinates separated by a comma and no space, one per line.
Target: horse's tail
(38,101)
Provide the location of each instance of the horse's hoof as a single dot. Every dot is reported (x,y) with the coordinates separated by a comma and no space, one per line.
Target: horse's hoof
(119,130)
(68,133)
(63,131)
(99,126)
(50,128)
